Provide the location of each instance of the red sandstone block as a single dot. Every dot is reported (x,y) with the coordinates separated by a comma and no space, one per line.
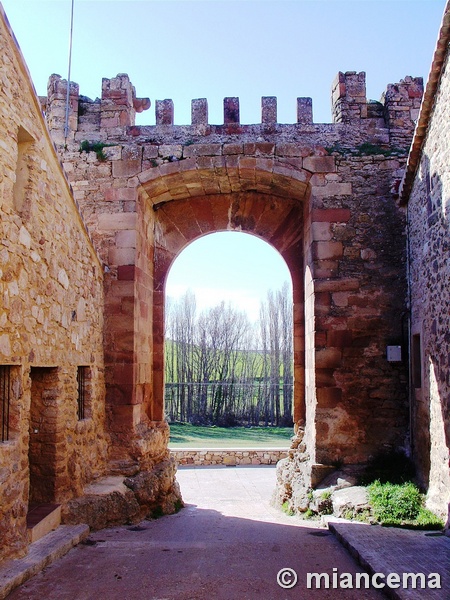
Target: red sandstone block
(116,221)
(122,256)
(143,309)
(124,417)
(327,358)
(259,148)
(325,378)
(322,299)
(264,164)
(126,238)
(187,165)
(360,301)
(328,397)
(339,338)
(120,194)
(331,215)
(202,150)
(169,169)
(124,118)
(288,149)
(247,162)
(321,231)
(126,168)
(232,149)
(120,325)
(112,122)
(365,323)
(125,272)
(336,285)
(156,187)
(320,338)
(320,164)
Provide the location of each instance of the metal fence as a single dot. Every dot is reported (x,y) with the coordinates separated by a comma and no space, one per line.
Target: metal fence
(230,403)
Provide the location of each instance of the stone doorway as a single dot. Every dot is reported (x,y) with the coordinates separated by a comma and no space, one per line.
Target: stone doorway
(43,443)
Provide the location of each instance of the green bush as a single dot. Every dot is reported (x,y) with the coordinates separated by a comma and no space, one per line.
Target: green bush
(401,505)
(428,520)
(394,502)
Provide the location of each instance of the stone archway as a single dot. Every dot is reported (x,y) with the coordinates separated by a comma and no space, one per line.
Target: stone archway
(277,221)
(254,200)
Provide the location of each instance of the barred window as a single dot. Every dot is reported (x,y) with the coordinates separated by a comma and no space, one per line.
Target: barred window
(10,392)
(5,401)
(84,393)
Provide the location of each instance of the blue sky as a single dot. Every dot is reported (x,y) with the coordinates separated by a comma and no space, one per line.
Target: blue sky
(212,49)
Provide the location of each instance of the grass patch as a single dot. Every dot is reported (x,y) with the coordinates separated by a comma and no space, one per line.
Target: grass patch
(401,505)
(195,436)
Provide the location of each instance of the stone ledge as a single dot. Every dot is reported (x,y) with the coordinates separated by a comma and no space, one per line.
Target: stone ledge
(41,553)
(228,456)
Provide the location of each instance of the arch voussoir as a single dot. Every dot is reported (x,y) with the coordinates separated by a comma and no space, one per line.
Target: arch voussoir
(205,175)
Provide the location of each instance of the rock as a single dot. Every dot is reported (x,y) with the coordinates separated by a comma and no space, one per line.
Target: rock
(350,501)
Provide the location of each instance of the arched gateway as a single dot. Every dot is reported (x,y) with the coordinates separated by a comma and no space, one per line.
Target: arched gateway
(323,195)
(272,211)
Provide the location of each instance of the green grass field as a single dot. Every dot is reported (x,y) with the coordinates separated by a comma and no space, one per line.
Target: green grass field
(186,435)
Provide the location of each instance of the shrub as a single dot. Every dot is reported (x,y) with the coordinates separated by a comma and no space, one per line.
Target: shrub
(401,505)
(428,520)
(394,503)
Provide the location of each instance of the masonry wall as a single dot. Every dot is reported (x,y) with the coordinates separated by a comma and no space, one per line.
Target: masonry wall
(429,227)
(150,190)
(51,316)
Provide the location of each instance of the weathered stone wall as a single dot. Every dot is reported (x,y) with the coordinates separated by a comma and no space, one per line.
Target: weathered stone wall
(228,456)
(323,195)
(51,315)
(429,228)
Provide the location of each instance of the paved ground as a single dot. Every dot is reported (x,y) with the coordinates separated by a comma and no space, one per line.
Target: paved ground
(230,544)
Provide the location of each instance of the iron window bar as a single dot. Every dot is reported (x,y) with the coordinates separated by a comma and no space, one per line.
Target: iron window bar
(81,381)
(5,392)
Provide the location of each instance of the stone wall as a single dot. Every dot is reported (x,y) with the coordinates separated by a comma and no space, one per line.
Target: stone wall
(51,316)
(228,456)
(429,227)
(322,194)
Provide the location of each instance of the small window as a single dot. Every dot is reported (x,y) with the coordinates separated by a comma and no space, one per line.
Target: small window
(416,361)
(10,391)
(21,196)
(5,392)
(83,381)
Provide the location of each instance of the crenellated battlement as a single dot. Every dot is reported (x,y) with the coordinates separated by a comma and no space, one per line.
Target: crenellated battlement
(113,115)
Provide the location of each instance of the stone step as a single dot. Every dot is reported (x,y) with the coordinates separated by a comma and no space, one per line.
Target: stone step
(40,554)
(41,519)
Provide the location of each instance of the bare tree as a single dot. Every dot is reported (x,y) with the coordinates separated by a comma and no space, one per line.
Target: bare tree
(218,370)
